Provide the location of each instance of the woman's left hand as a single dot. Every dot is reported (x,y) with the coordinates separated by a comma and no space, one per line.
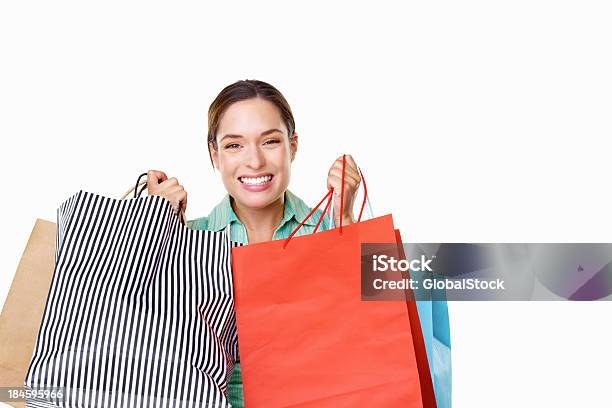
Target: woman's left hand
(351,184)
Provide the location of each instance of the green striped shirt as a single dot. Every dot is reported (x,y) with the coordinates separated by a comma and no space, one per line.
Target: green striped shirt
(222,215)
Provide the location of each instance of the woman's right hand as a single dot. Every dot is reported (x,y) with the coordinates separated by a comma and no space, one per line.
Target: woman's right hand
(159,184)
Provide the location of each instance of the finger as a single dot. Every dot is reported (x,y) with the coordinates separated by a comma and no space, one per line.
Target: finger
(173,191)
(154,177)
(354,169)
(337,164)
(334,182)
(180,198)
(172,181)
(184,202)
(348,169)
(352,164)
(181,195)
(151,180)
(175,198)
(350,180)
(161,190)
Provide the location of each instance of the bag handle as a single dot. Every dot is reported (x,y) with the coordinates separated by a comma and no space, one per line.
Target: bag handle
(366,199)
(329,196)
(140,187)
(135,189)
(329,201)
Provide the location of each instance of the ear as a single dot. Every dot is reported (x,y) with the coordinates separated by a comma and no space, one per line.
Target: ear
(214,155)
(293,145)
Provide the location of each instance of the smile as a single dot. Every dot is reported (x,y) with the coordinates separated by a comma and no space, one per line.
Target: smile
(256,181)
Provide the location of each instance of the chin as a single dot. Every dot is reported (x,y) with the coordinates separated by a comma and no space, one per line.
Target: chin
(257,200)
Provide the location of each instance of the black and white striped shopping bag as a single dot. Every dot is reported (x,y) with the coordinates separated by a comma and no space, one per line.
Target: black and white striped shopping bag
(140,310)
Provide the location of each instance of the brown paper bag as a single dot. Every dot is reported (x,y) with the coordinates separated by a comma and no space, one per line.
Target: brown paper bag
(24,306)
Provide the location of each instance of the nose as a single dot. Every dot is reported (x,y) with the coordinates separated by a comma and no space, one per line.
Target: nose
(256,158)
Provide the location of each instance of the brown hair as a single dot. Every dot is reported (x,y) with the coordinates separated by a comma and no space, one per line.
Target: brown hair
(240,91)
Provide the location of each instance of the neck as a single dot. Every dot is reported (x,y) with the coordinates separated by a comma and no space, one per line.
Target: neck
(260,223)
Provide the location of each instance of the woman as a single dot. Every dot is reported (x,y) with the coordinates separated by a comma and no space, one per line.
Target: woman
(252,142)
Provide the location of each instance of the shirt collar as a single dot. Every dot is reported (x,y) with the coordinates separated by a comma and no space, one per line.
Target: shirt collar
(222,215)
(295,208)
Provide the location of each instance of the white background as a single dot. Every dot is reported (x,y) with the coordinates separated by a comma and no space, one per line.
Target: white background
(473,121)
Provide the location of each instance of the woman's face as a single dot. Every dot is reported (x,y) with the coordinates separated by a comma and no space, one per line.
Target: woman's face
(254,153)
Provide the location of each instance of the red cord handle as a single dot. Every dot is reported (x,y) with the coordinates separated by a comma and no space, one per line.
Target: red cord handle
(328,196)
(308,216)
(329,200)
(365,196)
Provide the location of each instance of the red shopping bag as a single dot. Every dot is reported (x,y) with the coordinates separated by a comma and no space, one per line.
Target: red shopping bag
(305,337)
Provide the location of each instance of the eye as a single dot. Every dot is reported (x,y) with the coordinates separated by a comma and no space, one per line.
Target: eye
(271,141)
(232,146)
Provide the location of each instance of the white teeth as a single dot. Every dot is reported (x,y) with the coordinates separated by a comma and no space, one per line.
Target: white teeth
(255,180)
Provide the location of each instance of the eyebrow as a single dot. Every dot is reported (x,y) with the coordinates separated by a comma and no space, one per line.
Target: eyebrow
(267,132)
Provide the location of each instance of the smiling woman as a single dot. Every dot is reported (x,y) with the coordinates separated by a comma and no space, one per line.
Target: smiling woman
(252,142)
